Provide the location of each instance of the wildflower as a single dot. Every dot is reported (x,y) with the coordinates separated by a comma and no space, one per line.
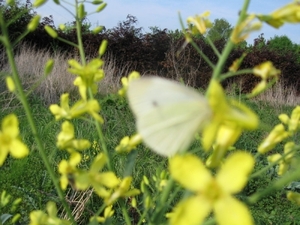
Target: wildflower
(9,139)
(285,162)
(211,193)
(242,31)
(66,139)
(87,75)
(201,22)
(226,137)
(125,82)
(69,169)
(228,121)
(78,109)
(266,71)
(277,135)
(127,144)
(289,13)
(98,180)
(293,122)
(39,217)
(108,212)
(123,190)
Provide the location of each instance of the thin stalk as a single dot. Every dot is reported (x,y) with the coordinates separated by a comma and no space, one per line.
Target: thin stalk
(79,35)
(216,51)
(101,136)
(229,45)
(30,119)
(224,76)
(125,213)
(278,184)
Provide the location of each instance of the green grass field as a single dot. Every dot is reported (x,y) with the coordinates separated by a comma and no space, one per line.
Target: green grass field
(27,178)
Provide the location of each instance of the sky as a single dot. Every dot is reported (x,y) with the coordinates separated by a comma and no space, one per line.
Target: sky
(164,14)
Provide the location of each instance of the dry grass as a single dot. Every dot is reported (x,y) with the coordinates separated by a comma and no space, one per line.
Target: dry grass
(278,95)
(30,64)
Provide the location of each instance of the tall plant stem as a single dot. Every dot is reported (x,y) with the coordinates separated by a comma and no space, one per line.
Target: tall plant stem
(23,99)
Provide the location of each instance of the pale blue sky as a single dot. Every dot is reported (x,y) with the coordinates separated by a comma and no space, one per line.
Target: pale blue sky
(164,13)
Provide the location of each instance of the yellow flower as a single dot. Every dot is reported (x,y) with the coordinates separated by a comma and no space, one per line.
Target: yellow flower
(201,22)
(98,180)
(285,162)
(289,13)
(9,139)
(81,107)
(108,212)
(38,217)
(127,144)
(242,31)
(68,169)
(277,135)
(211,193)
(226,137)
(266,70)
(66,139)
(123,190)
(229,119)
(87,75)
(293,122)
(125,82)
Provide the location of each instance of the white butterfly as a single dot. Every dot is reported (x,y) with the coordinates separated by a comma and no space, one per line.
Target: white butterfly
(167,113)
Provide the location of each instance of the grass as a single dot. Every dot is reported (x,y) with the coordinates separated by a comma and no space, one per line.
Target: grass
(27,178)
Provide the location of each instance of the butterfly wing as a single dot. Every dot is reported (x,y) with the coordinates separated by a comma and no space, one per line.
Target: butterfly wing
(168,114)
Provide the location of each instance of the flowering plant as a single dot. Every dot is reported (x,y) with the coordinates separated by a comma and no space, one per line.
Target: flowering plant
(168,116)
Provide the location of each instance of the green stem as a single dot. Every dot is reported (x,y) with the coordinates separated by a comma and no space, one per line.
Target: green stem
(216,51)
(30,119)
(164,197)
(79,35)
(258,173)
(224,76)
(101,136)
(125,213)
(278,184)
(229,45)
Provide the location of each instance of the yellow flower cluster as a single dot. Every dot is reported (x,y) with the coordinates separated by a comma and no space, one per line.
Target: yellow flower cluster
(211,193)
(9,139)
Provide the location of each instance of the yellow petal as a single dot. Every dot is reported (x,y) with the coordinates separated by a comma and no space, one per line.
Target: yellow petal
(107,179)
(10,125)
(98,163)
(18,149)
(3,154)
(229,211)
(190,172)
(234,172)
(209,134)
(242,116)
(191,211)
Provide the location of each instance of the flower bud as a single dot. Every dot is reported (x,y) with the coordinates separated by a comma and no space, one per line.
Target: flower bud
(34,23)
(51,31)
(103,47)
(101,7)
(49,66)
